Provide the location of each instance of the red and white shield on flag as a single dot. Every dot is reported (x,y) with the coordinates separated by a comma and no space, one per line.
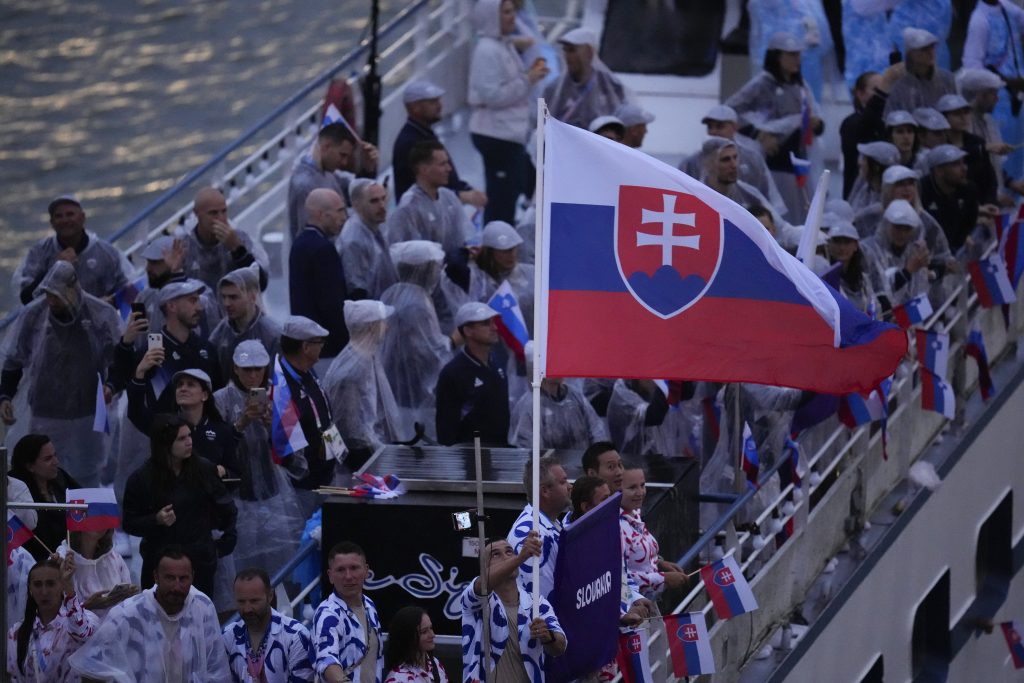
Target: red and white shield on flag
(688,633)
(77,515)
(668,246)
(724,577)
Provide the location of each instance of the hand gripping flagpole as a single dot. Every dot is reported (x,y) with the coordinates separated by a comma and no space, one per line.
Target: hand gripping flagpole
(540,333)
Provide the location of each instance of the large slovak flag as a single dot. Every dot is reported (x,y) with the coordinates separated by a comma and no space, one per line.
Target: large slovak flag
(1015,641)
(286,435)
(991,281)
(728,588)
(102,514)
(689,645)
(511,324)
(650,274)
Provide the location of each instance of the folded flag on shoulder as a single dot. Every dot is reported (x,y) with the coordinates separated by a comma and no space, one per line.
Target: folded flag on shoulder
(511,323)
(728,588)
(633,659)
(976,349)
(650,274)
(913,312)
(991,281)
(286,435)
(102,514)
(689,645)
(1015,641)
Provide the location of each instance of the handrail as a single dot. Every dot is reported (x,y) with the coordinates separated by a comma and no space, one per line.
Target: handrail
(281,109)
(304,551)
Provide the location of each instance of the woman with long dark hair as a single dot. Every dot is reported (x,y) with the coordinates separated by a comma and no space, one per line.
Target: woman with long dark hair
(212,437)
(54,627)
(35,462)
(844,248)
(177,498)
(408,654)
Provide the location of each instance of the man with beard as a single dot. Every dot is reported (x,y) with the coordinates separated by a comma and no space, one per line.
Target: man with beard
(167,633)
(265,645)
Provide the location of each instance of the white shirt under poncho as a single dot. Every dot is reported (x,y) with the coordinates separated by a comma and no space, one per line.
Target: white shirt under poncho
(130,645)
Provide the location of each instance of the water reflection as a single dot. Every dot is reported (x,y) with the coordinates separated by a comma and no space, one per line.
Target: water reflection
(115,100)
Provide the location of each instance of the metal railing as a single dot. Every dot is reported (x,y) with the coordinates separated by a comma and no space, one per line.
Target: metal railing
(850,473)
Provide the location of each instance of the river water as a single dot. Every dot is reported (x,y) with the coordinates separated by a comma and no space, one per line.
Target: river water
(115,100)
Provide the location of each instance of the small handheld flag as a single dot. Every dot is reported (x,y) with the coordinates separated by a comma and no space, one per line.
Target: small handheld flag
(1015,641)
(511,324)
(126,296)
(100,421)
(633,659)
(936,394)
(689,645)
(913,312)
(332,115)
(728,588)
(102,514)
(976,349)
(991,281)
(1011,248)
(858,409)
(17,533)
(933,351)
(801,169)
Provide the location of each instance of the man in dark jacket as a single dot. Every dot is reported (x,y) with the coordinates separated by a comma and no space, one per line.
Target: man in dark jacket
(316,280)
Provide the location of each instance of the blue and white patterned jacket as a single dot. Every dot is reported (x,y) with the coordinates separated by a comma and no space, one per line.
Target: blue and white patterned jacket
(550,530)
(473,629)
(340,638)
(289,657)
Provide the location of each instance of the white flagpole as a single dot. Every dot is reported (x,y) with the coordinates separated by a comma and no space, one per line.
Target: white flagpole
(540,333)
(808,238)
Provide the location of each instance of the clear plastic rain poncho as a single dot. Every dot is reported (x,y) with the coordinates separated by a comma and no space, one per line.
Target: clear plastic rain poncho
(567,418)
(131,644)
(101,268)
(768,411)
(63,357)
(269,517)
(482,286)
(804,19)
(209,263)
(356,385)
(415,349)
(627,418)
(580,103)
(364,252)
(885,266)
(262,328)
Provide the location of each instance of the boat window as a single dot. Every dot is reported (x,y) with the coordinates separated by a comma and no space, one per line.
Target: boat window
(876,674)
(930,645)
(993,560)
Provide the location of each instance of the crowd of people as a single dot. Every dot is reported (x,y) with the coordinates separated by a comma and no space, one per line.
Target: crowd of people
(215,423)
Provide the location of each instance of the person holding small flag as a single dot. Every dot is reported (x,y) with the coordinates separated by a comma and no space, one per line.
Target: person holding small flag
(35,462)
(644,566)
(498,262)
(897,256)
(515,655)
(472,389)
(55,626)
